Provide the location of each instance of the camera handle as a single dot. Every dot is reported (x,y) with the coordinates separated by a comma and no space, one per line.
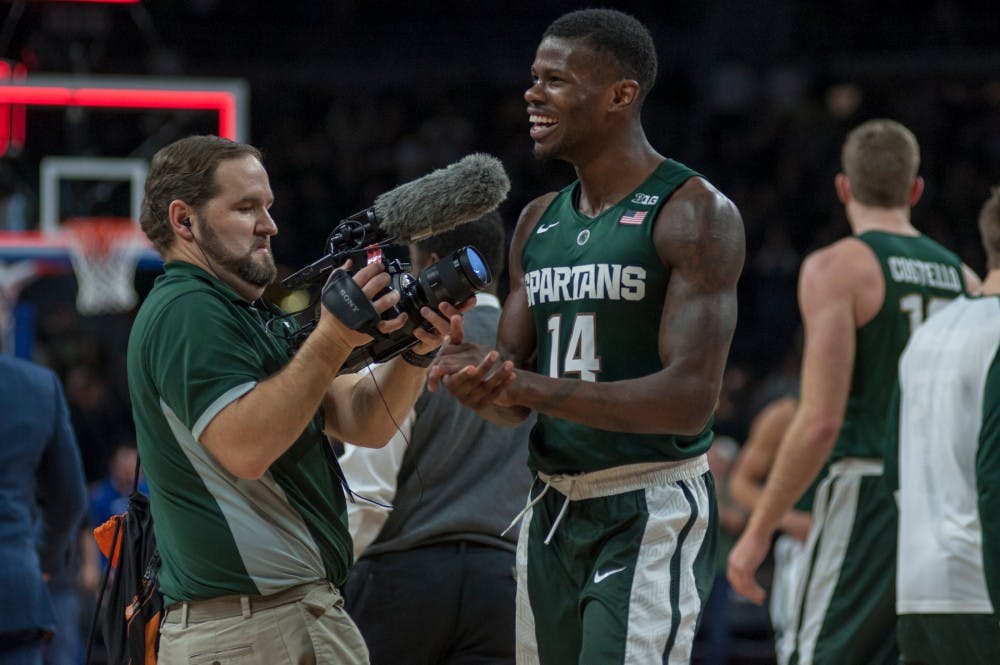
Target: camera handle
(343,298)
(354,233)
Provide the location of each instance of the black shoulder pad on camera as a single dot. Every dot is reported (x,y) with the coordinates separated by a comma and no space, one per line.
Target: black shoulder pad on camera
(345,300)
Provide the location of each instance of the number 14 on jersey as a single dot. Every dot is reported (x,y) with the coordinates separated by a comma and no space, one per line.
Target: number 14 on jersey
(580,356)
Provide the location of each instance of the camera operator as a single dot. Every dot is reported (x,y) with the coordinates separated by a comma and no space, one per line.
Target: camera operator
(232,421)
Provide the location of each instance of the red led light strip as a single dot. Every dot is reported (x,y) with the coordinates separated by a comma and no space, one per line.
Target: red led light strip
(90,2)
(127,98)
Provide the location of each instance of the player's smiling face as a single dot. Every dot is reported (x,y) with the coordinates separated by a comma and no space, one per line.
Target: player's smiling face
(570,87)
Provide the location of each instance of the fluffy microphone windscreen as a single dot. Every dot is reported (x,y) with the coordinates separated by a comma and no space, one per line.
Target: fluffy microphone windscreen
(443,199)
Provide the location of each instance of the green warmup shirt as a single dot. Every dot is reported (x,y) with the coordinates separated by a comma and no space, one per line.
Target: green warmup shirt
(921,276)
(596,289)
(195,347)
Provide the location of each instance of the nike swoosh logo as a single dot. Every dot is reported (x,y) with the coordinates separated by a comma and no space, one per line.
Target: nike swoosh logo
(545,227)
(600,577)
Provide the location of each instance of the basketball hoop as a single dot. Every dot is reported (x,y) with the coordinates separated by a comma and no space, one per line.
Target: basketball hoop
(104,252)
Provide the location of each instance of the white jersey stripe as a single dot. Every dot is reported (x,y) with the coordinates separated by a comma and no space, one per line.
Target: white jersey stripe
(689,602)
(526,652)
(650,607)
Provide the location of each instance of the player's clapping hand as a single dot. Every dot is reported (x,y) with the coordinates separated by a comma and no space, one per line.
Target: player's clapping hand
(473,373)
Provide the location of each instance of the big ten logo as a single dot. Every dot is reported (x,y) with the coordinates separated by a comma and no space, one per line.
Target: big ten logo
(645,199)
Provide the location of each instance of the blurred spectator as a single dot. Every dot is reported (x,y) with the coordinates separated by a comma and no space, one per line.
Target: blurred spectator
(109,495)
(96,417)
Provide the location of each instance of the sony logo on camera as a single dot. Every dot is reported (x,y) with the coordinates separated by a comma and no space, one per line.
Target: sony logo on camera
(345,300)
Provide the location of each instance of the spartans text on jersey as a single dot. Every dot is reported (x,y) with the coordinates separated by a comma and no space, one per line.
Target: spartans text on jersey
(600,281)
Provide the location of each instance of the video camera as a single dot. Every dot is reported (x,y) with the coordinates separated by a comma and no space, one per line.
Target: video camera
(452,279)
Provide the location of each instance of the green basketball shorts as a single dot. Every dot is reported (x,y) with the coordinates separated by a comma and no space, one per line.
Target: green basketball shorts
(628,565)
(845,605)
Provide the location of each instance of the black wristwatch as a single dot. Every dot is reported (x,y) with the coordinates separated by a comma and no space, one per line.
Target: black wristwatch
(416,359)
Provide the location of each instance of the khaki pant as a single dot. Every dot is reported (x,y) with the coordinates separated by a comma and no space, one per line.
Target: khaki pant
(305,624)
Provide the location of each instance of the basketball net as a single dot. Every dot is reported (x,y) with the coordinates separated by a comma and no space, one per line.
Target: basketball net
(104,252)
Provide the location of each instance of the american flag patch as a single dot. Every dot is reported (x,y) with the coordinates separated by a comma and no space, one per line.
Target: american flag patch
(633,217)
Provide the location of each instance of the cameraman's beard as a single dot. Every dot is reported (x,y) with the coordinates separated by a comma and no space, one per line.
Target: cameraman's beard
(252,271)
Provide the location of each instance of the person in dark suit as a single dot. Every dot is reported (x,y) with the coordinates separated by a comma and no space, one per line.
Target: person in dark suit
(42,499)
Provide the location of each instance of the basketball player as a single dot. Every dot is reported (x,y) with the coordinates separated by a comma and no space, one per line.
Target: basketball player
(621,311)
(860,297)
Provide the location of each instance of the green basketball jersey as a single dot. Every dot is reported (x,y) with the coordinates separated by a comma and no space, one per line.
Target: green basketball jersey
(596,288)
(920,276)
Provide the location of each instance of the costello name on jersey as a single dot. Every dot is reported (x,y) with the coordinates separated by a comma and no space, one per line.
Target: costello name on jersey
(924,273)
(595,281)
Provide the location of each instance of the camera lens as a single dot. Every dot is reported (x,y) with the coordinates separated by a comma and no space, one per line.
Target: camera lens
(452,279)
(472,262)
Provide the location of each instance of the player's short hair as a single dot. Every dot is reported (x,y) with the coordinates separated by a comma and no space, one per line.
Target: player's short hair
(989,229)
(880,158)
(184,170)
(616,35)
(486,234)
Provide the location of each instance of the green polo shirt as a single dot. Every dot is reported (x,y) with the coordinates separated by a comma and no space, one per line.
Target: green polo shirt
(195,347)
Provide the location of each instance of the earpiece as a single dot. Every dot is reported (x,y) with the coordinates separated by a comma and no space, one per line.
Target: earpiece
(186,222)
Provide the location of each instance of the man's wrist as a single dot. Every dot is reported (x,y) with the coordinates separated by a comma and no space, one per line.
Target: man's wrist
(331,347)
(417,359)
(756,529)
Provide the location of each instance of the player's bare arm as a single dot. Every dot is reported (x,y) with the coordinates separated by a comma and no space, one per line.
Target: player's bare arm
(699,236)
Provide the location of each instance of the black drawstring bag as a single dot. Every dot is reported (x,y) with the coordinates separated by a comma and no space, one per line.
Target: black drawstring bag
(131,620)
